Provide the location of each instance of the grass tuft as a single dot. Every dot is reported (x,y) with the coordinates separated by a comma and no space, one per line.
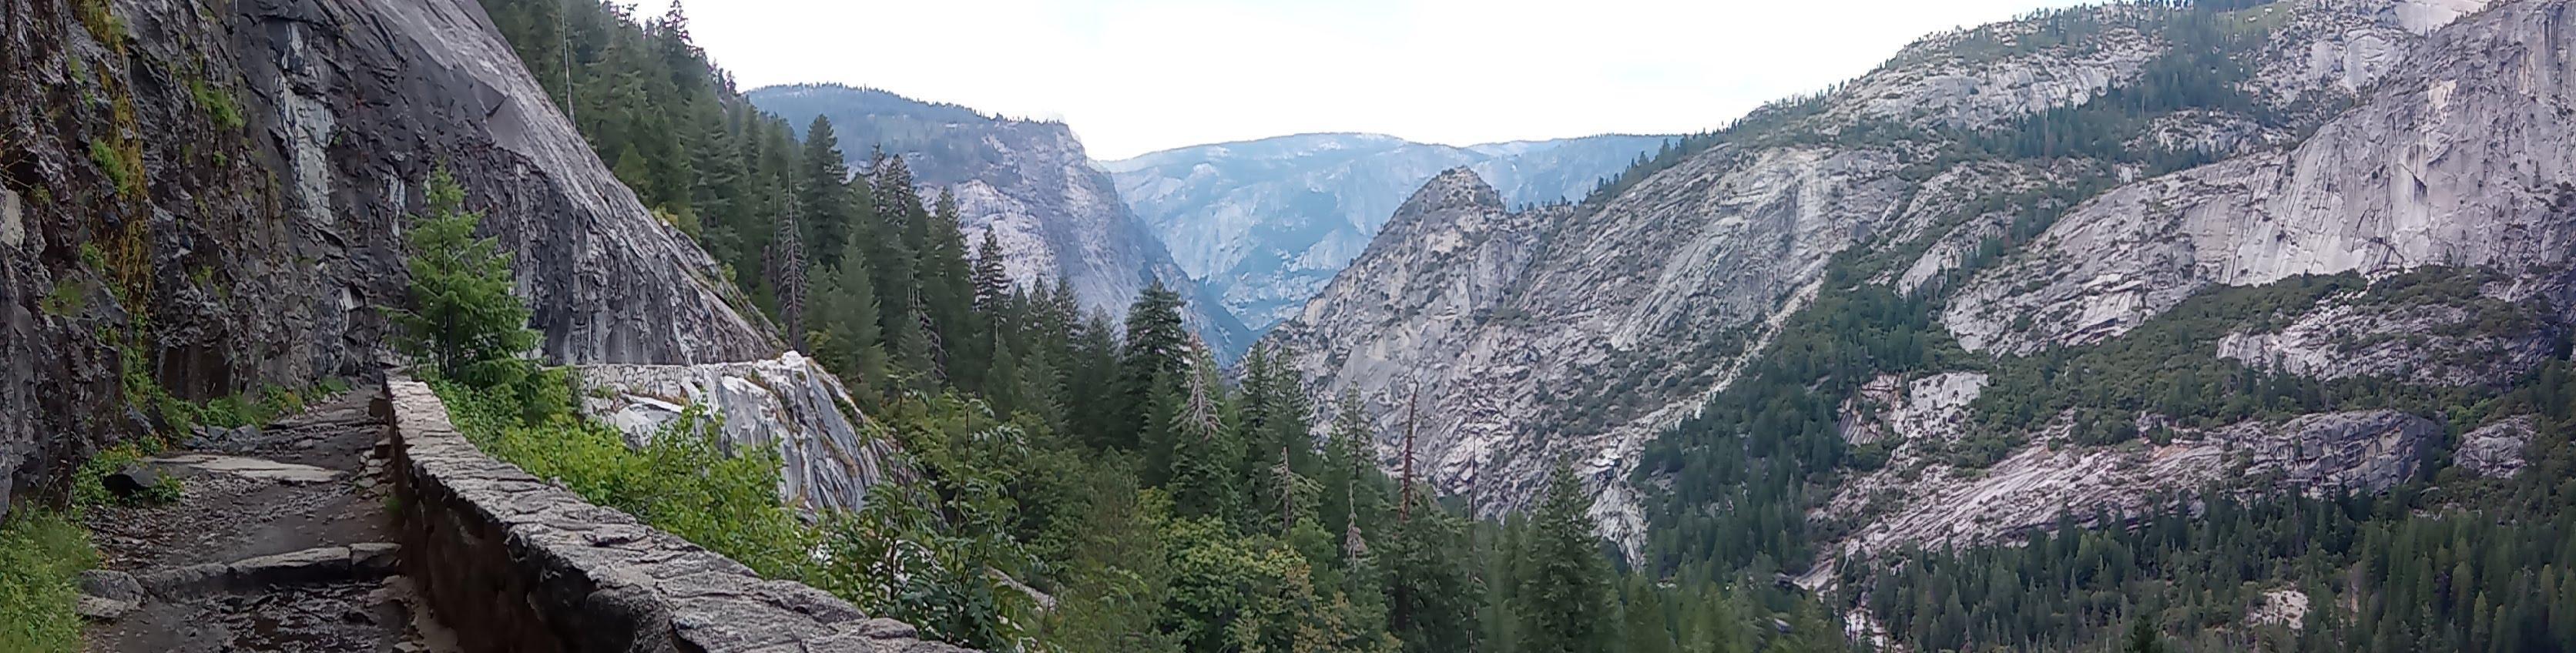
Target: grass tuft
(41,556)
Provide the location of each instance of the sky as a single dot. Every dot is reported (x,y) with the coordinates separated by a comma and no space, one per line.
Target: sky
(1135,76)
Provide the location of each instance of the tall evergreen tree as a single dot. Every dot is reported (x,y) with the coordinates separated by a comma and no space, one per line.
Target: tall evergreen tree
(1432,594)
(1155,355)
(1564,594)
(825,193)
(1204,479)
(992,283)
(787,275)
(846,304)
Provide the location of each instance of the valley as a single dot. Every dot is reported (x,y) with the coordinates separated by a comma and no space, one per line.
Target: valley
(2161,325)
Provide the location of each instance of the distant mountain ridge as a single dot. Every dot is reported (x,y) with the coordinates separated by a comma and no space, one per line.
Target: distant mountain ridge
(1265,224)
(1030,182)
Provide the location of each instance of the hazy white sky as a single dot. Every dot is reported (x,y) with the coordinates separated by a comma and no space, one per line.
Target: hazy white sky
(1133,76)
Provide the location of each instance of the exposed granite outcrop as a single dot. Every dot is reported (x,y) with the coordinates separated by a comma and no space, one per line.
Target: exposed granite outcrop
(2495,450)
(830,456)
(1915,500)
(2461,156)
(1981,76)
(518,565)
(1887,409)
(2462,341)
(1580,332)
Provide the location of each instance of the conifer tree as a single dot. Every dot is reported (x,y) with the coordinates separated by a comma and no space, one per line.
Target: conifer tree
(827,206)
(992,284)
(846,303)
(948,294)
(462,320)
(1203,477)
(1432,594)
(787,276)
(1563,600)
(1355,490)
(1155,354)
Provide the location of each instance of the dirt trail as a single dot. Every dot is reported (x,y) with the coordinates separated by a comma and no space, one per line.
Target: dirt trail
(280,541)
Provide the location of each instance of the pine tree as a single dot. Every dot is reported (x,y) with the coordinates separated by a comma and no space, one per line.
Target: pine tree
(1433,598)
(1155,355)
(462,320)
(825,194)
(1204,481)
(948,294)
(992,284)
(1563,596)
(2142,638)
(846,304)
(1355,490)
(787,276)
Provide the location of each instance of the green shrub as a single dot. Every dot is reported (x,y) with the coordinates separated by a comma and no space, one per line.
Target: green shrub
(680,482)
(41,556)
(89,487)
(102,23)
(66,299)
(126,176)
(217,103)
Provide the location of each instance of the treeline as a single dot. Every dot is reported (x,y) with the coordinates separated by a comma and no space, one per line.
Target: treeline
(1086,483)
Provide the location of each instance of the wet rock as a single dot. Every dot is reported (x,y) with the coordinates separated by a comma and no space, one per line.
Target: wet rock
(101,609)
(132,480)
(375,559)
(307,566)
(184,582)
(110,584)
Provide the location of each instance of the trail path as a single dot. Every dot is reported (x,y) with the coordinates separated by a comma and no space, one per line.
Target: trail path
(280,541)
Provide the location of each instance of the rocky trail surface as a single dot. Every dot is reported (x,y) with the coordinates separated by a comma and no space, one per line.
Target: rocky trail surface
(279,540)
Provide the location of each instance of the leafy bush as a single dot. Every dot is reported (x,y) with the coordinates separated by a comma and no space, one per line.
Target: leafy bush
(217,103)
(126,176)
(41,556)
(681,481)
(89,487)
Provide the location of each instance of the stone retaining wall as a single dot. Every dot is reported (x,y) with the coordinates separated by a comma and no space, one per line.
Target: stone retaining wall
(515,564)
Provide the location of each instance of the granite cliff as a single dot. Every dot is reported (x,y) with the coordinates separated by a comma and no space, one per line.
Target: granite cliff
(2330,136)
(211,201)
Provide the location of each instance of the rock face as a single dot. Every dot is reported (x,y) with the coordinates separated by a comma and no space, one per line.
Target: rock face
(787,405)
(238,180)
(2495,450)
(1655,290)
(1055,214)
(2458,157)
(1982,76)
(1890,410)
(2466,342)
(1625,315)
(1266,224)
(1917,501)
